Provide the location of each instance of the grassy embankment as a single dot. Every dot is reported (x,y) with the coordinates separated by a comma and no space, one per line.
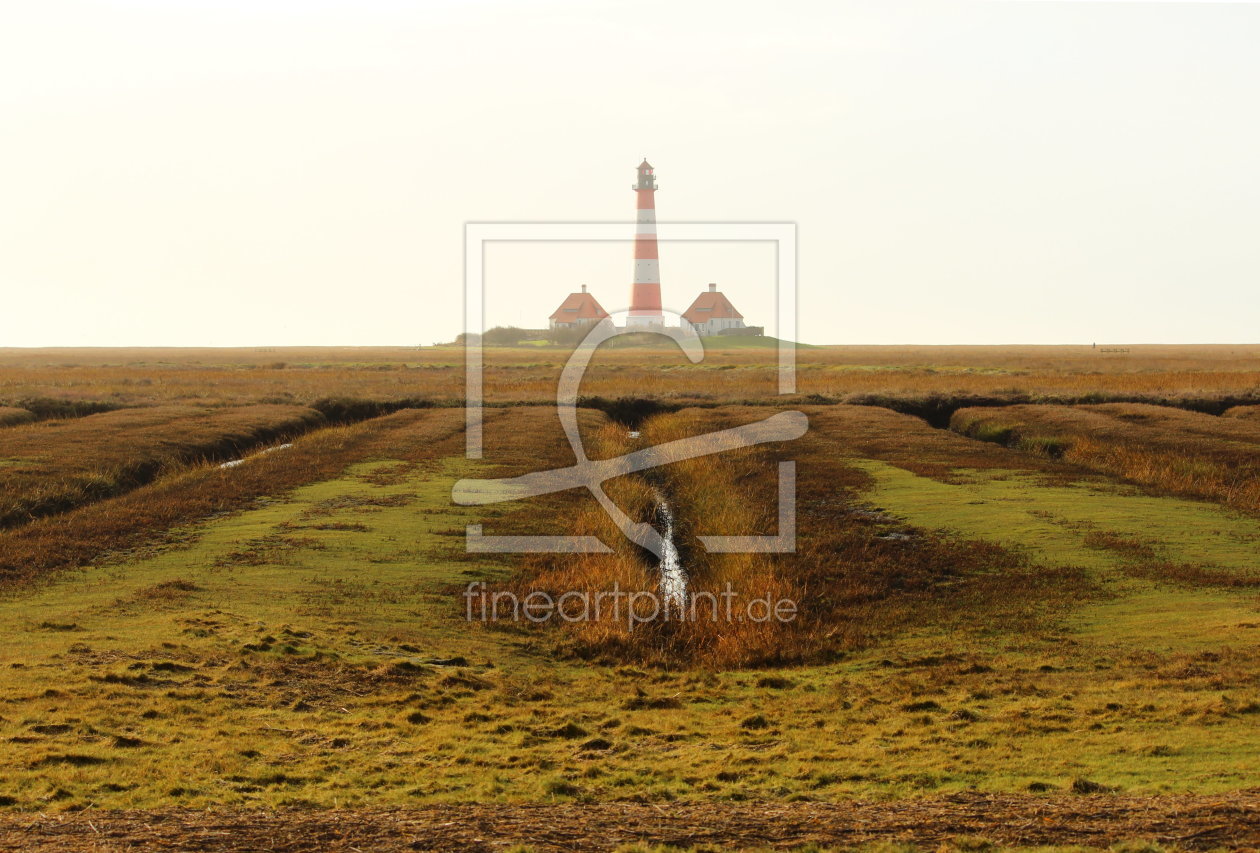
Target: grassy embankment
(12,416)
(53,466)
(1168,451)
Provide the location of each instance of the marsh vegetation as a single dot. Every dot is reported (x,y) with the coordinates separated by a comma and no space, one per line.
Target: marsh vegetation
(1047,601)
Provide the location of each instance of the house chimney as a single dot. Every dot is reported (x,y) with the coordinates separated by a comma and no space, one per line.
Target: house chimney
(584,288)
(712,288)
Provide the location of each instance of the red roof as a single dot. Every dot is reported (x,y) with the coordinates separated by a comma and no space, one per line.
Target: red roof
(709,305)
(579,306)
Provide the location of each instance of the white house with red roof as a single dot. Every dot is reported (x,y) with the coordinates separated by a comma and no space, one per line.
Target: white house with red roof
(578,309)
(712,313)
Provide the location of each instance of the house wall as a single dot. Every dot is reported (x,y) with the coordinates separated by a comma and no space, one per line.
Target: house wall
(566,324)
(717,324)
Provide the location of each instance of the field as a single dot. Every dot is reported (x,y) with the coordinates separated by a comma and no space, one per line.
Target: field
(239,612)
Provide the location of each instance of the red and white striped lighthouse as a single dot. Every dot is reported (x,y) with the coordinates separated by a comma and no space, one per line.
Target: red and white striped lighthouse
(645,294)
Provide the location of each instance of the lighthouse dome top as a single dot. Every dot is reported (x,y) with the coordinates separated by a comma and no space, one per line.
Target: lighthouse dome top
(647,177)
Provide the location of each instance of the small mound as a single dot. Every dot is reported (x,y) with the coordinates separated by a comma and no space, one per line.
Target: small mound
(12,416)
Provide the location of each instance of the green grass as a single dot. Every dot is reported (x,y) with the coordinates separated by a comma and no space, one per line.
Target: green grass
(750,342)
(1031,512)
(1051,523)
(312,651)
(1170,620)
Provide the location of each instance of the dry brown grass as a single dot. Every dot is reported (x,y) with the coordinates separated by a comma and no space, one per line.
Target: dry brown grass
(912,375)
(701,492)
(53,466)
(1234,428)
(908,442)
(1179,453)
(12,416)
(954,824)
(1244,412)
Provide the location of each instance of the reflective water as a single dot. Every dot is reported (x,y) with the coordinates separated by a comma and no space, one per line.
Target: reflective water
(232,463)
(673,582)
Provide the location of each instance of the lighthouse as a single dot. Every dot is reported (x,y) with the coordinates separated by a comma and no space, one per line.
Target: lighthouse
(645,293)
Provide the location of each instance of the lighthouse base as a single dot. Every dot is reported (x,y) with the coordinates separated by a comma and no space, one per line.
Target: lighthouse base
(645,321)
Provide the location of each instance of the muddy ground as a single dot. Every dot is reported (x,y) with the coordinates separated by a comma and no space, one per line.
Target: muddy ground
(1096,820)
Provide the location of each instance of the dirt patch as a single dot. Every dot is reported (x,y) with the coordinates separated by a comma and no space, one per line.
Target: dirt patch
(358,502)
(171,591)
(1190,822)
(264,680)
(269,549)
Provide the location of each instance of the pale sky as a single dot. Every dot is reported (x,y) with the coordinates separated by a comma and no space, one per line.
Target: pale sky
(249,172)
